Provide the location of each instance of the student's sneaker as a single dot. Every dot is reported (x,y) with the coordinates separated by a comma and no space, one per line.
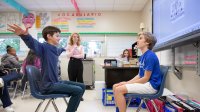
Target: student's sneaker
(9,109)
(1,104)
(82,99)
(1,82)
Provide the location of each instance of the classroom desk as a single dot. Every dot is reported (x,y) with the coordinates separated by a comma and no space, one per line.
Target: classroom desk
(117,74)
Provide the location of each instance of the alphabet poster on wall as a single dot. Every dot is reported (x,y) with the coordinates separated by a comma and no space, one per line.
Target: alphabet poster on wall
(86,22)
(61,20)
(74,21)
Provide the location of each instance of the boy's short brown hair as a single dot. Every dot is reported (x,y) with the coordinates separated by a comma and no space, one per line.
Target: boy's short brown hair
(49,30)
(150,38)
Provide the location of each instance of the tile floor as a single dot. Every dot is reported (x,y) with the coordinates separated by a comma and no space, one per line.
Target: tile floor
(90,104)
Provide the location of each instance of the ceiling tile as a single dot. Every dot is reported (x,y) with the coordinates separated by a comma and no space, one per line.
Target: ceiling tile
(84,5)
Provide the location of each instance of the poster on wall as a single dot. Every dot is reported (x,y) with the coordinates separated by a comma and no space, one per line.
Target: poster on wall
(43,19)
(85,22)
(3,22)
(9,18)
(61,20)
(14,18)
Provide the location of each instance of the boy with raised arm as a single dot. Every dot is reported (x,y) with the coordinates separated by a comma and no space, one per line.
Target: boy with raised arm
(49,53)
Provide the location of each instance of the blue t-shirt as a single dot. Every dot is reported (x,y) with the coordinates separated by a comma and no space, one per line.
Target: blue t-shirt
(149,61)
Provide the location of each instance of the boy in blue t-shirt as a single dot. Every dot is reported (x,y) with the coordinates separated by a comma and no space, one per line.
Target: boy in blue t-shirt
(49,53)
(148,80)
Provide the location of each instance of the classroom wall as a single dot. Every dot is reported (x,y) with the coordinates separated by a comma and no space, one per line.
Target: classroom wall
(107,22)
(147,15)
(189,84)
(104,22)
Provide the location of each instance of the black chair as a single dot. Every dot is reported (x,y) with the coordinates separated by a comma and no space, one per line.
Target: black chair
(34,76)
(145,97)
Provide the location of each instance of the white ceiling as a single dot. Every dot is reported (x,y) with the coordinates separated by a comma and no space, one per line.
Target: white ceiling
(84,5)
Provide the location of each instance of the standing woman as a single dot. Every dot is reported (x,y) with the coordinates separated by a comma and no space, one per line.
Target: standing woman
(75,52)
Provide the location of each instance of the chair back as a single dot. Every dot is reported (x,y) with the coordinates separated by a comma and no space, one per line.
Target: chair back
(35,78)
(163,70)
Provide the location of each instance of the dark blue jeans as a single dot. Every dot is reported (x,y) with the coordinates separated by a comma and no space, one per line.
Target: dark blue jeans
(6,97)
(74,89)
(7,78)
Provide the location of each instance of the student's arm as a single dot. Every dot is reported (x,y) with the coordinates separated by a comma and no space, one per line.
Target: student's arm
(32,44)
(148,67)
(28,39)
(142,80)
(81,53)
(132,80)
(128,82)
(60,50)
(14,61)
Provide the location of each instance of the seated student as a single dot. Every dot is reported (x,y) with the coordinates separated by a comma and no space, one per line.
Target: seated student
(10,59)
(1,86)
(6,77)
(148,80)
(31,59)
(49,53)
(126,55)
(5,98)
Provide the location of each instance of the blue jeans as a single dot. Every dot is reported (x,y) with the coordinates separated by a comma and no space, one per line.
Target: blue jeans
(6,97)
(7,78)
(11,76)
(74,89)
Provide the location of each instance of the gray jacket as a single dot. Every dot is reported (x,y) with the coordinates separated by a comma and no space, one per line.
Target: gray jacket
(10,60)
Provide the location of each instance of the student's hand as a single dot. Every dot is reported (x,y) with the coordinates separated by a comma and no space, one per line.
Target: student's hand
(120,84)
(75,50)
(17,58)
(17,30)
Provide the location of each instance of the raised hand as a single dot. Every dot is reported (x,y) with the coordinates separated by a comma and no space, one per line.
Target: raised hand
(17,30)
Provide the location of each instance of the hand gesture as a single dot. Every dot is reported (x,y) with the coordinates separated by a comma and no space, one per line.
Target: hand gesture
(17,30)
(119,84)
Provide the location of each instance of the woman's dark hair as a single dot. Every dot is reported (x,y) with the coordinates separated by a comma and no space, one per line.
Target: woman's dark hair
(30,57)
(8,48)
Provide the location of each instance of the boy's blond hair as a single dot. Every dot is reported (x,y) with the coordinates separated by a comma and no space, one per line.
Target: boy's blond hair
(150,38)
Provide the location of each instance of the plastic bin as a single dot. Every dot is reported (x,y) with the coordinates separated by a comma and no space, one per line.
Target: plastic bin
(108,99)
